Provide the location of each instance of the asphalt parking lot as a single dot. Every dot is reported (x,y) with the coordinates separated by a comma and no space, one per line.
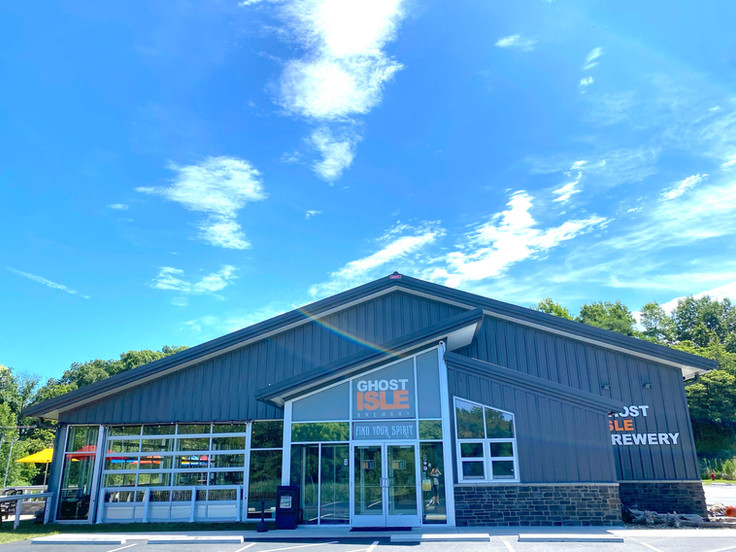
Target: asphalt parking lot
(655,541)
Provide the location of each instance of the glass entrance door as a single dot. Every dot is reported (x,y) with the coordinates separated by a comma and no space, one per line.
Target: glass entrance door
(385,485)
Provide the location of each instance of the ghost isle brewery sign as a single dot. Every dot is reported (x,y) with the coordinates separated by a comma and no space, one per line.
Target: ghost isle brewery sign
(387,393)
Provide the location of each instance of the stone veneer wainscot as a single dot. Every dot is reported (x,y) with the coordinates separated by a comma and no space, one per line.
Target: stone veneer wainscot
(537,504)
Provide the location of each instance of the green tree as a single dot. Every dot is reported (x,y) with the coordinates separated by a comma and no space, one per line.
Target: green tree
(609,316)
(657,325)
(700,320)
(551,307)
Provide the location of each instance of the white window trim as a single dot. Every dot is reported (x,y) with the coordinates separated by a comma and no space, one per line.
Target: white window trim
(487,459)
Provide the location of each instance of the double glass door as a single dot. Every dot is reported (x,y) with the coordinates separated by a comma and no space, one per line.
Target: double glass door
(385,485)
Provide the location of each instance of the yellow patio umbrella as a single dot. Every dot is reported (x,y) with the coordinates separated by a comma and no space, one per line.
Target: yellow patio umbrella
(42,457)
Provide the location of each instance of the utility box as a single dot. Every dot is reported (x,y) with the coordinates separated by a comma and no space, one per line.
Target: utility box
(287,506)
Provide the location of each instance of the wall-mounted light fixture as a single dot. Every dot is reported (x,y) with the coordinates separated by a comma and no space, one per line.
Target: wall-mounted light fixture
(605,386)
(647,386)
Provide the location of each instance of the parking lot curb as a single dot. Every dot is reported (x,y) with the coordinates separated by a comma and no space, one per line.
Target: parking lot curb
(199,539)
(57,539)
(567,537)
(441,537)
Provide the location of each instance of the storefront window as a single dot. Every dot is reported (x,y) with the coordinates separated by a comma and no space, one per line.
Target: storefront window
(323,431)
(78,472)
(430,430)
(264,477)
(434,508)
(267,434)
(486,443)
(305,473)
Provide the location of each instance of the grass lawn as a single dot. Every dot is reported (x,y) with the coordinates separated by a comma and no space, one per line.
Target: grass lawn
(29,529)
(710,481)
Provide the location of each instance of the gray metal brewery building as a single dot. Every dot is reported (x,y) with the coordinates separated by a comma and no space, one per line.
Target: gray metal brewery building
(397,403)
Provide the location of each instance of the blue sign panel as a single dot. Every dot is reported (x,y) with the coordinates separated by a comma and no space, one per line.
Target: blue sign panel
(384,431)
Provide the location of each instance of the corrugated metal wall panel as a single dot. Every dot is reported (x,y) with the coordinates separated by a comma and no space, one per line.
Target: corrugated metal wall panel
(588,367)
(557,442)
(222,388)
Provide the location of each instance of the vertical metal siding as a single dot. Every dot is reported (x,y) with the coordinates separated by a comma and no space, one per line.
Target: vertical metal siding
(556,442)
(222,388)
(588,367)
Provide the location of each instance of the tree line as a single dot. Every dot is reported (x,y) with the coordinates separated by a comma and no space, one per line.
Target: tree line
(702,326)
(21,436)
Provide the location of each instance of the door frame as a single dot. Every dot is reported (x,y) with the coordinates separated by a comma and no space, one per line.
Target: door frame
(386,519)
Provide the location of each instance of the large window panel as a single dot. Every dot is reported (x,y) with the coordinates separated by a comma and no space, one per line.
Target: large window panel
(486,443)
(469,420)
(77,472)
(264,477)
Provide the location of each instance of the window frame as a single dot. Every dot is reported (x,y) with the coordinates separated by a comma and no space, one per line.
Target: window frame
(487,460)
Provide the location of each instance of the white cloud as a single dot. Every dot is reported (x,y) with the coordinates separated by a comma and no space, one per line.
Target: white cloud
(726,291)
(708,211)
(48,283)
(291,157)
(171,279)
(118,206)
(342,72)
(219,187)
(397,246)
(566,191)
(517,42)
(586,81)
(311,213)
(344,68)
(684,185)
(729,162)
(216,325)
(337,153)
(507,238)
(590,59)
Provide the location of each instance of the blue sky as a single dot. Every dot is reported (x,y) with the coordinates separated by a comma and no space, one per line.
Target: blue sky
(173,171)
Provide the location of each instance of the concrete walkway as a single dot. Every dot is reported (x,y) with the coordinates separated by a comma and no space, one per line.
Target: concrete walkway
(424,534)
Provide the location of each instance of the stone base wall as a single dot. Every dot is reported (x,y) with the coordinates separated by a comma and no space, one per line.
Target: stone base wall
(683,497)
(528,505)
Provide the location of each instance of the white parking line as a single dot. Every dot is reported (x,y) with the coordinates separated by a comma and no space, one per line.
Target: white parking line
(299,546)
(372,547)
(508,546)
(244,547)
(733,547)
(648,545)
(123,547)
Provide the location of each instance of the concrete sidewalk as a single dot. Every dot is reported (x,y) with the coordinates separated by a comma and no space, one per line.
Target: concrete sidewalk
(424,534)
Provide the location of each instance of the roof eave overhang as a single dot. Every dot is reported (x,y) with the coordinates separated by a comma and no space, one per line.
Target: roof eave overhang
(534,384)
(457,332)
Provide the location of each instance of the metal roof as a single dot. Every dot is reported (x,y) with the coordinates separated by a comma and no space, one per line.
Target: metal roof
(689,364)
(395,349)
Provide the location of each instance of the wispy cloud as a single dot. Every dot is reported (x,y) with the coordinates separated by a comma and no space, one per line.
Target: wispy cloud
(729,162)
(118,206)
(684,185)
(506,238)
(727,291)
(342,72)
(586,81)
(171,279)
(48,283)
(592,57)
(219,187)
(337,153)
(397,245)
(517,42)
(216,325)
(565,192)
(311,213)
